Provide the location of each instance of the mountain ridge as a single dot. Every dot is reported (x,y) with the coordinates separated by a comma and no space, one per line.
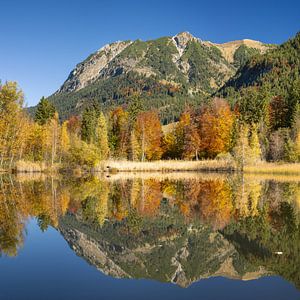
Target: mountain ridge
(180,41)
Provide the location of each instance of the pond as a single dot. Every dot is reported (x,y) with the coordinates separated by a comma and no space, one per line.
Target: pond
(150,235)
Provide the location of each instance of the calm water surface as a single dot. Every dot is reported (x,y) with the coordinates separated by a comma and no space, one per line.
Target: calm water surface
(147,236)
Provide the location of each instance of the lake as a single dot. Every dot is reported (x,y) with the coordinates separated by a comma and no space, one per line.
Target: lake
(150,236)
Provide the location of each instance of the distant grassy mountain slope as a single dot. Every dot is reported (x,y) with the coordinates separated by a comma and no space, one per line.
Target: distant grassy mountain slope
(279,68)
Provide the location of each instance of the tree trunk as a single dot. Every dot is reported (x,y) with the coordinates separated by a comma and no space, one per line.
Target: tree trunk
(143,143)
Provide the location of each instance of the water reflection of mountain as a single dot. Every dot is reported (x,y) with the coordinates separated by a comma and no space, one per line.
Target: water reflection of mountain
(164,227)
(161,250)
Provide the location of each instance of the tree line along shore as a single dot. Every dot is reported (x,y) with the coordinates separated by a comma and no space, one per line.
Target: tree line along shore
(215,136)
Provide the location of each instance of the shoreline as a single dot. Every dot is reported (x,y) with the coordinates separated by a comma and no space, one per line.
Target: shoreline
(162,166)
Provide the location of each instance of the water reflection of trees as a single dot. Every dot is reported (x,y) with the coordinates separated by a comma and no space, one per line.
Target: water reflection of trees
(19,200)
(259,217)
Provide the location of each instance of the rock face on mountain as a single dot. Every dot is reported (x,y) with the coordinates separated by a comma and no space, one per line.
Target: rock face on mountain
(90,69)
(167,70)
(184,258)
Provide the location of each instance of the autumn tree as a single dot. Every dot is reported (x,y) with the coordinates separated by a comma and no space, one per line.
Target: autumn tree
(247,149)
(174,140)
(181,130)
(297,146)
(101,137)
(241,149)
(215,124)
(148,133)
(192,143)
(170,145)
(74,126)
(13,123)
(135,148)
(290,153)
(255,148)
(53,135)
(84,154)
(65,142)
(36,143)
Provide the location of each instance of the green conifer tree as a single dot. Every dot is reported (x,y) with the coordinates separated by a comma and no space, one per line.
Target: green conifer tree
(134,108)
(45,111)
(89,124)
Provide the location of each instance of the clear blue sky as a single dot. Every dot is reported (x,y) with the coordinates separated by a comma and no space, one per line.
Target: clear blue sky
(41,41)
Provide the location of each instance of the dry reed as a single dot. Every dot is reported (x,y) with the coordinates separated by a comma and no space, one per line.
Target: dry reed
(273,168)
(165,166)
(22,166)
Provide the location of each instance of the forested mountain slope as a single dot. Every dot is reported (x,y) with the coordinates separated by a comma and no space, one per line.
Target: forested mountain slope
(267,87)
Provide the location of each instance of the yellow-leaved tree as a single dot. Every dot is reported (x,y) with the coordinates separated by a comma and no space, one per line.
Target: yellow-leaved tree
(102,137)
(12,124)
(65,142)
(148,133)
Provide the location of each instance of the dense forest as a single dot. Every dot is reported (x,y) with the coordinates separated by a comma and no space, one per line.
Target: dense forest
(254,117)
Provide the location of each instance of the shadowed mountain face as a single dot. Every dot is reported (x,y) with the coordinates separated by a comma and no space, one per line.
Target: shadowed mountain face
(177,229)
(165,72)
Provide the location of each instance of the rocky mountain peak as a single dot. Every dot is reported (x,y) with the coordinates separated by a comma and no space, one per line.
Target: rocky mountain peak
(182,39)
(184,35)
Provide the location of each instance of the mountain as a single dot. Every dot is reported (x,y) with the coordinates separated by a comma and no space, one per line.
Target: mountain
(167,73)
(278,69)
(266,88)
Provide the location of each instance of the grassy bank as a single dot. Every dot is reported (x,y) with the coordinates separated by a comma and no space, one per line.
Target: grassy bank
(166,166)
(22,166)
(198,166)
(114,166)
(273,168)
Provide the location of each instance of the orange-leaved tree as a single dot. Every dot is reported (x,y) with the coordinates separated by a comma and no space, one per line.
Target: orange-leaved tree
(215,127)
(148,134)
